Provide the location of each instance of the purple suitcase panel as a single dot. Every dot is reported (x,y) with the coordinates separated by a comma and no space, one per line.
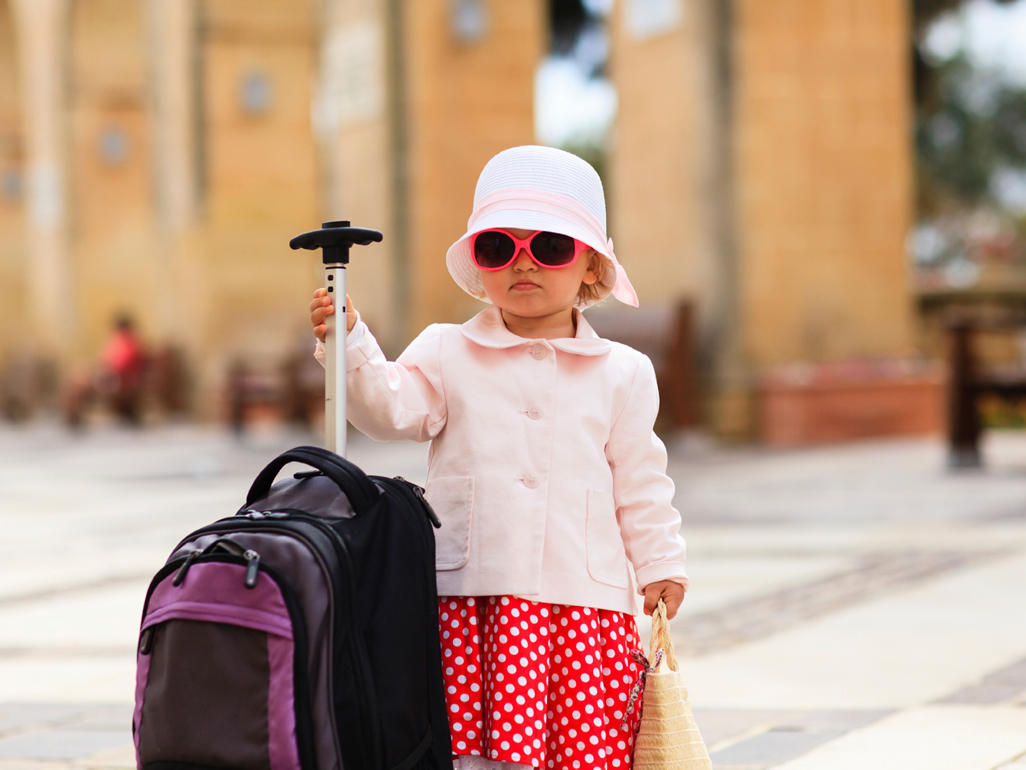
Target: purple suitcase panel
(237,640)
(291,561)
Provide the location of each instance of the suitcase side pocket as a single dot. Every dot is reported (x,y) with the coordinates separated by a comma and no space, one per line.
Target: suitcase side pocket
(219,672)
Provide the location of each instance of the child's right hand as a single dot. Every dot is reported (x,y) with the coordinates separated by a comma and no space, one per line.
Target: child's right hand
(321,307)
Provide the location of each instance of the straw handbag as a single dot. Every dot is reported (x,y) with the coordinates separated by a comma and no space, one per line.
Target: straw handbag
(668,738)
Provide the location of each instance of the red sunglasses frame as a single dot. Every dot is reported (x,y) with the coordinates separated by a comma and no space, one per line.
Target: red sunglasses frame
(525,244)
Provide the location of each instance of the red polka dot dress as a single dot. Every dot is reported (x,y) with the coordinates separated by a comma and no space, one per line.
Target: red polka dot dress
(543,685)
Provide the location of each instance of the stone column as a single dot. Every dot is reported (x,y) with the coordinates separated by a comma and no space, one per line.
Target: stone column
(172,46)
(41,29)
(171,32)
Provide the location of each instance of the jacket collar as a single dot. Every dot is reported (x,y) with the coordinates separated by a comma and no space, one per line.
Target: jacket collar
(487,329)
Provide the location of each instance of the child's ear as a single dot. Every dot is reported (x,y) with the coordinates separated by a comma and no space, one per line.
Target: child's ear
(591,275)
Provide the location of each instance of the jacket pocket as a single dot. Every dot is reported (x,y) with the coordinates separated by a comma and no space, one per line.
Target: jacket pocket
(607,562)
(452,498)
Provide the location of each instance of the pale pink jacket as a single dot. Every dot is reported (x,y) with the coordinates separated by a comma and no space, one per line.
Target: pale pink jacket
(543,468)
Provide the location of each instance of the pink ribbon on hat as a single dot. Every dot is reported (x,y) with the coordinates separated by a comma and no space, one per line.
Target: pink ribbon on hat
(623,289)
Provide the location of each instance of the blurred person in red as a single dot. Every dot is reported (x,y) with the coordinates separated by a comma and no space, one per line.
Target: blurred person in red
(117,380)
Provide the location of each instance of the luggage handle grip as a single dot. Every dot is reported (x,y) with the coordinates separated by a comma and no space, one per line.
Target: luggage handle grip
(357,486)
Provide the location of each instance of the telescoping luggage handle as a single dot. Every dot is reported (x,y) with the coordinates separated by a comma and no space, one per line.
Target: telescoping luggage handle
(335,239)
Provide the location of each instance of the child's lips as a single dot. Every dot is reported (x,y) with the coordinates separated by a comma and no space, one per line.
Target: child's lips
(525,285)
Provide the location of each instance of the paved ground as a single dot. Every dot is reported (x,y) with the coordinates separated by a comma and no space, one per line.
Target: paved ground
(851,607)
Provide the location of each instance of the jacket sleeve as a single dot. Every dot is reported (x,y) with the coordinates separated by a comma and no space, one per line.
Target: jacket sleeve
(649,524)
(389,400)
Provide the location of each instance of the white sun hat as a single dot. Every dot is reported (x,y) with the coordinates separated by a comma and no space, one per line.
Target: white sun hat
(541,188)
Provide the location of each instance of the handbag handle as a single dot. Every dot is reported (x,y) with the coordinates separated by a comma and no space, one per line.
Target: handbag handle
(661,635)
(361,491)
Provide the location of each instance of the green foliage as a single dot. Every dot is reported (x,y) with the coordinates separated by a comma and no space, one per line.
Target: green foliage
(969,126)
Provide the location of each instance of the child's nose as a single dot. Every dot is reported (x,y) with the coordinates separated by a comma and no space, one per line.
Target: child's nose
(523,260)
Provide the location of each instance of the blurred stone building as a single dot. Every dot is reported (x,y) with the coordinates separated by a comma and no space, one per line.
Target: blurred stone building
(155,157)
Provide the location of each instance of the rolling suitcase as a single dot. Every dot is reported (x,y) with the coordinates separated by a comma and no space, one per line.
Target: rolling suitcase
(300,633)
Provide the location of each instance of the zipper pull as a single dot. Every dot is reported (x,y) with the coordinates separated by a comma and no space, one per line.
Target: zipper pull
(146,641)
(252,567)
(180,575)
(418,491)
(258,515)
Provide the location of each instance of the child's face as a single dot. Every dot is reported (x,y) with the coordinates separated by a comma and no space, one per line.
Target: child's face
(524,288)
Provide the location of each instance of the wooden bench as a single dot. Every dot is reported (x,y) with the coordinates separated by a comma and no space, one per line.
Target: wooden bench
(970,380)
(291,392)
(666,334)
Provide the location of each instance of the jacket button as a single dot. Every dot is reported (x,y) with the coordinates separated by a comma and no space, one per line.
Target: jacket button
(539,351)
(534,414)
(530,482)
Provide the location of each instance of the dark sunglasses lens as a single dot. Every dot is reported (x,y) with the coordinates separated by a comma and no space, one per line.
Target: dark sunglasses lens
(492,249)
(552,248)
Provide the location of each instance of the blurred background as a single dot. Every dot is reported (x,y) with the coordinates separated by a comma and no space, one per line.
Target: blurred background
(817,200)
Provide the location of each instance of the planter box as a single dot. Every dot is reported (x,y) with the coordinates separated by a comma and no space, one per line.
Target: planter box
(809,405)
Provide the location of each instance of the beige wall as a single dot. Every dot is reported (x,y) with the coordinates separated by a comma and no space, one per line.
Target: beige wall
(260,181)
(12,256)
(822,141)
(467,101)
(111,214)
(652,191)
(761,165)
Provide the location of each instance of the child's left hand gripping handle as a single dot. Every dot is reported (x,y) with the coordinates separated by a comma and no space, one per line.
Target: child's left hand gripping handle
(335,239)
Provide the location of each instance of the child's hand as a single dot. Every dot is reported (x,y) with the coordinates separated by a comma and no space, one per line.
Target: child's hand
(322,307)
(671,592)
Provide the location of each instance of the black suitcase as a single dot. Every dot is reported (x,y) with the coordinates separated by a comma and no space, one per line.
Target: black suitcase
(302,632)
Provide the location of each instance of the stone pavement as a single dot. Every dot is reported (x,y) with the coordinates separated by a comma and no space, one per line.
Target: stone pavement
(851,607)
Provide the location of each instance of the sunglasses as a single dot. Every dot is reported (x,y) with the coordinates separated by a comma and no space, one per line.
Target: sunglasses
(496,249)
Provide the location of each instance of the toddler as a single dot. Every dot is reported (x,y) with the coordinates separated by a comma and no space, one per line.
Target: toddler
(543,468)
